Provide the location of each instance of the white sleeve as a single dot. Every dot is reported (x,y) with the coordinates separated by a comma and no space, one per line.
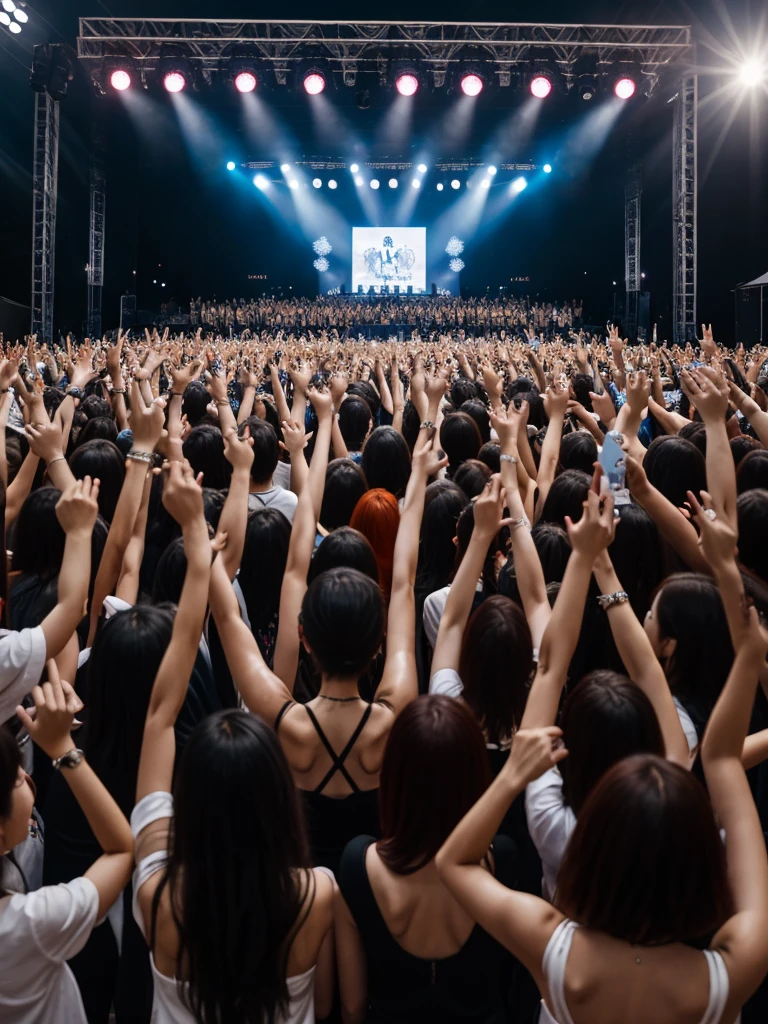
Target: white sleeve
(61,917)
(446,681)
(152,807)
(550,820)
(434,606)
(688,728)
(22,659)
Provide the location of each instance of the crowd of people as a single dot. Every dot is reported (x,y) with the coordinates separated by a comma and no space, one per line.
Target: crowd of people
(346,312)
(395,682)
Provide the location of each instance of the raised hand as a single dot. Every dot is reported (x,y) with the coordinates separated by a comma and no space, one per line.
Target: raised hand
(488,508)
(707,390)
(595,530)
(238,450)
(638,391)
(183,494)
(555,400)
(339,385)
(295,437)
(708,344)
(534,751)
(603,406)
(82,370)
(301,376)
(46,439)
(50,724)
(427,460)
(146,421)
(182,376)
(78,507)
(717,538)
(322,403)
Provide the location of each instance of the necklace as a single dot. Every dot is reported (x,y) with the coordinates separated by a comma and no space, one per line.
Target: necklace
(339,700)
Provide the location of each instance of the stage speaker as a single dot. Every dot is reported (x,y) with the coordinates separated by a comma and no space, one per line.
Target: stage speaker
(434,288)
(343,289)
(410,289)
(385,289)
(370,290)
(127,311)
(359,289)
(397,289)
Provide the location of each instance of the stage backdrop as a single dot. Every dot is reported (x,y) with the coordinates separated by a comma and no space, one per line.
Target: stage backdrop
(389,256)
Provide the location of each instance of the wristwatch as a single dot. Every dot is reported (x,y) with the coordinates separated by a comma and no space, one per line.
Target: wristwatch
(71,759)
(74,391)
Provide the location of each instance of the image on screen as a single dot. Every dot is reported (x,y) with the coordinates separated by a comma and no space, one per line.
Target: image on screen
(384,257)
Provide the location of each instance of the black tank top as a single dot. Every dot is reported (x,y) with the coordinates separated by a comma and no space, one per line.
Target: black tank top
(333,821)
(405,989)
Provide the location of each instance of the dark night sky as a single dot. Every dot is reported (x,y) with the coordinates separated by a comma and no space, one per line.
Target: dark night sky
(164,207)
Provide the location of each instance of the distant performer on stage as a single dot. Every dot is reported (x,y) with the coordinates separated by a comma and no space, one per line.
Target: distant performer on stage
(390,264)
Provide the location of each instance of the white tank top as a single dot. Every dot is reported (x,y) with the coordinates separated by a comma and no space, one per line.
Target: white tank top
(556,957)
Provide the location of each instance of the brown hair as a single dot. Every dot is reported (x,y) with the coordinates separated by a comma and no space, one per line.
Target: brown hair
(605,718)
(495,666)
(377,517)
(435,769)
(645,863)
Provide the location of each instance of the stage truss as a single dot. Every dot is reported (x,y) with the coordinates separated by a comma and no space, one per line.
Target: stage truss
(439,48)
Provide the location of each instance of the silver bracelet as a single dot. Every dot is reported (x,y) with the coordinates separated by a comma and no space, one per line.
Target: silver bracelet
(427,425)
(607,601)
(139,456)
(508,458)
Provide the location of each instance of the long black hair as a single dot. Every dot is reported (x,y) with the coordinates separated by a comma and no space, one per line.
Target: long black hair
(238,871)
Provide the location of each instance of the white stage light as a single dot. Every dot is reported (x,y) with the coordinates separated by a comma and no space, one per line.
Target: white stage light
(358,180)
(455,183)
(440,186)
(21,16)
(485,183)
(9,5)
(317,183)
(393,182)
(261,181)
(285,168)
(14,27)
(471,85)
(293,183)
(547,168)
(245,81)
(407,84)
(120,80)
(416,183)
(174,81)
(422,168)
(625,88)
(314,83)
(541,87)
(5,19)
(752,73)
(491,170)
(230,165)
(354,168)
(374,183)
(332,183)
(519,184)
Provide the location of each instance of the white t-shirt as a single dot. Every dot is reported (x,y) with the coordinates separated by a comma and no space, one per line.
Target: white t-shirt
(434,607)
(22,660)
(276,497)
(39,931)
(282,475)
(447,682)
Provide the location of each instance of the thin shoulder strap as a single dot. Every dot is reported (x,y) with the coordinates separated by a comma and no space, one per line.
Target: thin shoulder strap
(553,966)
(282,711)
(718,987)
(338,759)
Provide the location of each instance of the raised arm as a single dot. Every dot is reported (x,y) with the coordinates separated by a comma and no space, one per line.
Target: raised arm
(591,535)
(528,572)
(748,407)
(630,415)
(183,498)
(76,511)
(555,404)
(303,535)
(47,440)
(51,727)
(743,939)
(399,684)
(641,663)
(238,451)
(488,515)
(707,389)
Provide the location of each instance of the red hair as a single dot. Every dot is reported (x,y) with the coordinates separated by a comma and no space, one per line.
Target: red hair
(377,517)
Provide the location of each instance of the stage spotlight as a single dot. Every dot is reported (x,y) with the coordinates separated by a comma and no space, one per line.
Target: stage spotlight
(624,88)
(407,83)
(752,73)
(332,183)
(491,170)
(471,84)
(245,81)
(547,168)
(485,183)
(174,81)
(541,86)
(587,87)
(416,183)
(9,5)
(374,183)
(314,82)
(393,182)
(14,27)
(422,168)
(285,168)
(21,16)
(231,165)
(261,181)
(440,186)
(293,183)
(354,168)
(5,19)
(455,183)
(358,180)
(120,80)
(519,184)
(317,183)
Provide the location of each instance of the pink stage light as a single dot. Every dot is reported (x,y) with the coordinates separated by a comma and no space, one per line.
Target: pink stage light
(407,84)
(245,81)
(120,80)
(541,87)
(624,88)
(314,83)
(471,85)
(174,81)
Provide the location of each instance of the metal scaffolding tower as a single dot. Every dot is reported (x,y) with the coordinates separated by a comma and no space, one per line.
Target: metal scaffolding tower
(45,169)
(632,199)
(684,166)
(98,200)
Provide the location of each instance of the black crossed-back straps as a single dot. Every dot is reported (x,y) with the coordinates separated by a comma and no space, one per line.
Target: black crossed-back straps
(338,759)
